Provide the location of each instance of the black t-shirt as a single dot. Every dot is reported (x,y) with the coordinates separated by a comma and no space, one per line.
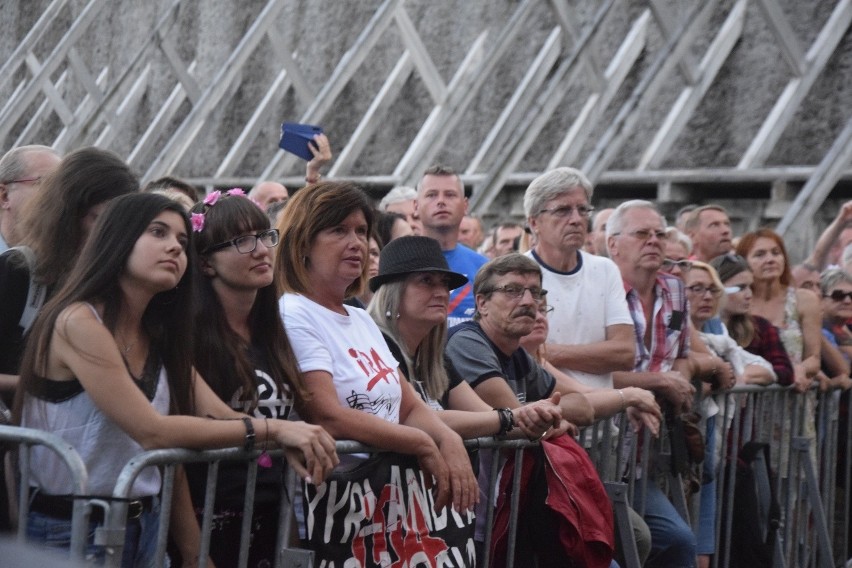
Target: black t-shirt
(230,488)
(14,285)
(478,359)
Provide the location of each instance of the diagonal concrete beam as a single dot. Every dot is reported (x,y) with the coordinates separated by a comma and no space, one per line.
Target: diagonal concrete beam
(692,95)
(797,88)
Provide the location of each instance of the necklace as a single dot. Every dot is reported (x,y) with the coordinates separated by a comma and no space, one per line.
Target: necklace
(124,345)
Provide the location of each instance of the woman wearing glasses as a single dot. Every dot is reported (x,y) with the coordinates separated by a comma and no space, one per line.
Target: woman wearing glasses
(836,288)
(678,248)
(243,353)
(705,292)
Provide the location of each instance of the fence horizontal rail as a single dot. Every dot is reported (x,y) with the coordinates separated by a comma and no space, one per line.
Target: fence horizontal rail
(816,496)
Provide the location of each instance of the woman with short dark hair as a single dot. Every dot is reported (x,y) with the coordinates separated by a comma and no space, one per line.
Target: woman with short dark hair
(354,380)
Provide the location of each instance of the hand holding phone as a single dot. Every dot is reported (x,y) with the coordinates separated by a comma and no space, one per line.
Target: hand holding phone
(296,137)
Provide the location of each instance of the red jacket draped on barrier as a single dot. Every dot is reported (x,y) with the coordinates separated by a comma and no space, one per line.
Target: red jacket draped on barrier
(576,501)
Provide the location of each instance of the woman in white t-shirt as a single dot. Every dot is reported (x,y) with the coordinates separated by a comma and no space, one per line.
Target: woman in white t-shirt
(351,376)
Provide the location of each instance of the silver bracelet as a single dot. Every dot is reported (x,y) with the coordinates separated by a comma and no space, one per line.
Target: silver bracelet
(623,400)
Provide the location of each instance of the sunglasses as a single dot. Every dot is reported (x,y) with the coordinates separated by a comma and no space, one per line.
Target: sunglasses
(839,295)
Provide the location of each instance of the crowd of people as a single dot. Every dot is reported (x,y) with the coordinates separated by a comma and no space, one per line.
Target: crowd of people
(139,318)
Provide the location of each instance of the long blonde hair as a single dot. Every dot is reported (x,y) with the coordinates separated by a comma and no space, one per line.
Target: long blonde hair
(427,363)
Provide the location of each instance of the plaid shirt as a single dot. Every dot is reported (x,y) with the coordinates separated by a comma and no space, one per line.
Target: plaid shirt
(670,334)
(767,344)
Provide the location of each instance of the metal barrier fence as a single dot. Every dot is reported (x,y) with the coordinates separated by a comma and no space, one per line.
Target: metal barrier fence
(26,438)
(802,430)
(806,444)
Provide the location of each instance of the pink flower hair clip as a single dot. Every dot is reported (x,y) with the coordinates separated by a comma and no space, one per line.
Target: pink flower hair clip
(197,220)
(209,201)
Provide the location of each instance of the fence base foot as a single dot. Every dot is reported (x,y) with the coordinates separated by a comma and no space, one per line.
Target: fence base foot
(296,558)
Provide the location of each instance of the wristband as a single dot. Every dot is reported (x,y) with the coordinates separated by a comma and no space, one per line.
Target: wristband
(249,444)
(507,420)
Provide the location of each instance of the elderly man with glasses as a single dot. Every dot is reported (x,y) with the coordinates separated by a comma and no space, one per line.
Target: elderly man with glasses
(658,304)
(21,172)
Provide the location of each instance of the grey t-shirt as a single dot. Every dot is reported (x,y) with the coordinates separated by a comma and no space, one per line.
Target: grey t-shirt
(477,359)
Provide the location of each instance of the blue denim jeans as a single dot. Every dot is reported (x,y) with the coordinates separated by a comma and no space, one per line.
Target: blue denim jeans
(673,543)
(140,541)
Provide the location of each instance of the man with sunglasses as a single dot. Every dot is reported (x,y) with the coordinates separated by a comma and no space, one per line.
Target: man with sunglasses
(21,172)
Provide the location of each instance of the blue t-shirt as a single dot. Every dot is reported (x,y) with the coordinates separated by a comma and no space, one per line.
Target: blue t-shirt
(462,302)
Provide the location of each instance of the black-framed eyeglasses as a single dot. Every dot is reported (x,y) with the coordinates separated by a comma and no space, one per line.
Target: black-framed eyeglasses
(247,243)
(568,210)
(700,290)
(546,310)
(24,180)
(683,264)
(839,295)
(516,291)
(645,234)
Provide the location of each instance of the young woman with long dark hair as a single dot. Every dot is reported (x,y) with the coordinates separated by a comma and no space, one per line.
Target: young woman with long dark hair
(243,353)
(108,367)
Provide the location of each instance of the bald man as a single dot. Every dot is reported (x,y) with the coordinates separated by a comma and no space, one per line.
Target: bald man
(268,192)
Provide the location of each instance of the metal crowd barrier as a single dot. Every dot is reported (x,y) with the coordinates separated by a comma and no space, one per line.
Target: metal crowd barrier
(814,521)
(112,534)
(803,433)
(26,438)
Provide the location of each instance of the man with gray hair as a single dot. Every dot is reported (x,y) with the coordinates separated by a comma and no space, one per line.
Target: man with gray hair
(591,332)
(22,170)
(265,193)
(635,237)
(402,199)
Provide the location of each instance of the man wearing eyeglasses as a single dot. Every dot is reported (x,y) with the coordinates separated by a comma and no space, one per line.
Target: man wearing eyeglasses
(591,332)
(487,352)
(21,171)
(658,304)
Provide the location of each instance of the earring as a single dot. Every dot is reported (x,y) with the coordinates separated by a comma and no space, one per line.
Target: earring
(397,315)
(388,314)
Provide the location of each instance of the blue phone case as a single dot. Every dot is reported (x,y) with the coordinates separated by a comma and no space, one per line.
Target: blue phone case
(295,138)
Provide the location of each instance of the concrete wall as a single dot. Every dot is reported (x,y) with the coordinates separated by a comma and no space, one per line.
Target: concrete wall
(322,31)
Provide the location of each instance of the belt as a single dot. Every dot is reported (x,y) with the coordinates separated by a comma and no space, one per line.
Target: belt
(62,506)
